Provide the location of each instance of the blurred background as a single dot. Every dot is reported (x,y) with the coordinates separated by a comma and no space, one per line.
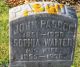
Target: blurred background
(4,29)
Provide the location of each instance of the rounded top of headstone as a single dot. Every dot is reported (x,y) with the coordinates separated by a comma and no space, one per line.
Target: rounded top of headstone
(41,8)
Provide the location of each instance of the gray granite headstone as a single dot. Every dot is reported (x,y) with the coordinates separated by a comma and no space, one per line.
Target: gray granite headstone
(42,40)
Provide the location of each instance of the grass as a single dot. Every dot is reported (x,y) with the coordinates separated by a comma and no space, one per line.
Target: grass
(4,38)
(76,62)
(78,14)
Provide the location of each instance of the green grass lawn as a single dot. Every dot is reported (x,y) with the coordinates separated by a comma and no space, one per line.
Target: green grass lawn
(77,49)
(4,37)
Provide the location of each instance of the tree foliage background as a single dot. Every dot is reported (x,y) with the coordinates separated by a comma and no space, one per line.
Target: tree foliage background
(12,3)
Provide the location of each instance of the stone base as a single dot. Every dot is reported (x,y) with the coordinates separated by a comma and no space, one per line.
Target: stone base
(41,64)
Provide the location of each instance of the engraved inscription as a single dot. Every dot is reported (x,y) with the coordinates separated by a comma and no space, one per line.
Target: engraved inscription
(42,39)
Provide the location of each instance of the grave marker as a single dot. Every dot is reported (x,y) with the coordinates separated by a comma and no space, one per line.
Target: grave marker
(42,40)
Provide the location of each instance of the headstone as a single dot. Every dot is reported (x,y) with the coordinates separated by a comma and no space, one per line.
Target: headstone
(42,40)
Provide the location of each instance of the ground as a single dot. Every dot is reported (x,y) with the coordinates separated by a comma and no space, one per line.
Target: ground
(77,47)
(4,37)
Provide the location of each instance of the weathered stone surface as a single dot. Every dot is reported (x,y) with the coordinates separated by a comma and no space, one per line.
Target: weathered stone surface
(42,40)
(18,11)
